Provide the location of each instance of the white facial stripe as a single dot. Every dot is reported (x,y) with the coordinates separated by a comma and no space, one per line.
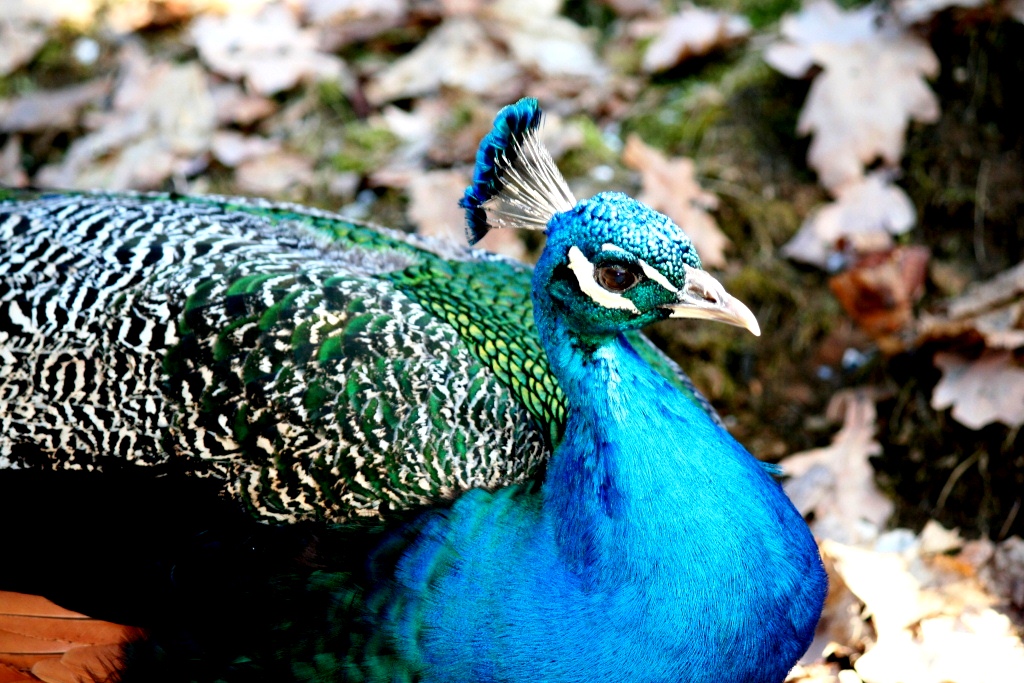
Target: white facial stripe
(654,274)
(584,271)
(649,270)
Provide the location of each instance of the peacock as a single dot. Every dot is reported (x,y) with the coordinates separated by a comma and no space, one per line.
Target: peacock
(284,446)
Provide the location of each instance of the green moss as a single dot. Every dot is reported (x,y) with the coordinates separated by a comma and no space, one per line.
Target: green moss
(53,55)
(594,151)
(461,115)
(364,147)
(764,12)
(682,106)
(673,118)
(588,13)
(759,12)
(54,65)
(332,97)
(12,85)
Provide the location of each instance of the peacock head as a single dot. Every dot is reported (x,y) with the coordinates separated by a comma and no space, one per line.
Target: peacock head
(611,263)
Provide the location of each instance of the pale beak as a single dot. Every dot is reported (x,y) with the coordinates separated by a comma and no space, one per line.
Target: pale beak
(705,298)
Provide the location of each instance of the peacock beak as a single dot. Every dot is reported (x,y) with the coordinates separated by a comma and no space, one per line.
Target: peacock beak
(705,298)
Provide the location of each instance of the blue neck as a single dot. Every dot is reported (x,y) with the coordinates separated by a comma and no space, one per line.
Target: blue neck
(640,467)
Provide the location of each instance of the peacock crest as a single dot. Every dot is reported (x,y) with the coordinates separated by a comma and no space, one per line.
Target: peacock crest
(515,183)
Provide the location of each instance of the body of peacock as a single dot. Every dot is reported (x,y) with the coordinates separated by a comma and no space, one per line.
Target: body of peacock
(317,367)
(331,372)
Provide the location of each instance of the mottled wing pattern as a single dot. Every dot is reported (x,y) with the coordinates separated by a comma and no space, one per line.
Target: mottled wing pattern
(320,368)
(259,351)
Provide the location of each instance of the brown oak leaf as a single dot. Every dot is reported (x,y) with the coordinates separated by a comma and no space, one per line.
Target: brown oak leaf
(269,50)
(837,482)
(692,32)
(989,389)
(865,215)
(992,310)
(871,86)
(880,290)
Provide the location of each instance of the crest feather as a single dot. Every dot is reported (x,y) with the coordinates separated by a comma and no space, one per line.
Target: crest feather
(515,182)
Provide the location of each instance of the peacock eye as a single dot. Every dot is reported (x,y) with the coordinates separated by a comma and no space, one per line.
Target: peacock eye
(617,278)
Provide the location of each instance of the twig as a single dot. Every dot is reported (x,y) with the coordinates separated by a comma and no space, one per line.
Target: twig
(954,476)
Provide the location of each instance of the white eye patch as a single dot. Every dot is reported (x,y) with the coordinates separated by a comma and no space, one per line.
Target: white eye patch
(584,272)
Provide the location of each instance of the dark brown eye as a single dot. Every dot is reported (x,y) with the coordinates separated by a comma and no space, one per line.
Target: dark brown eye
(616,278)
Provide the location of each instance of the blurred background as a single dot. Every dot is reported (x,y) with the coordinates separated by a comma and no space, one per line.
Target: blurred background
(854,172)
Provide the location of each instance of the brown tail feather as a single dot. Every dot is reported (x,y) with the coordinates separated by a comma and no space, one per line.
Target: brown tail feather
(40,641)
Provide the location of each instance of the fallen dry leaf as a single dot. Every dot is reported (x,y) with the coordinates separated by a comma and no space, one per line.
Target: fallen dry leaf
(420,124)
(235,106)
(141,164)
(865,215)
(992,310)
(19,43)
(920,11)
(935,539)
(880,290)
(274,174)
(979,297)
(819,22)
(931,625)
(49,13)
(343,22)
(232,148)
(50,109)
(161,121)
(457,54)
(454,8)
(1004,575)
(884,584)
(541,39)
(434,203)
(11,172)
(670,186)
(871,86)
(267,49)
(488,50)
(931,610)
(817,672)
(127,16)
(837,483)
(692,32)
(982,391)
(841,631)
(859,108)
(419,132)
(434,210)
(1016,9)
(975,555)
